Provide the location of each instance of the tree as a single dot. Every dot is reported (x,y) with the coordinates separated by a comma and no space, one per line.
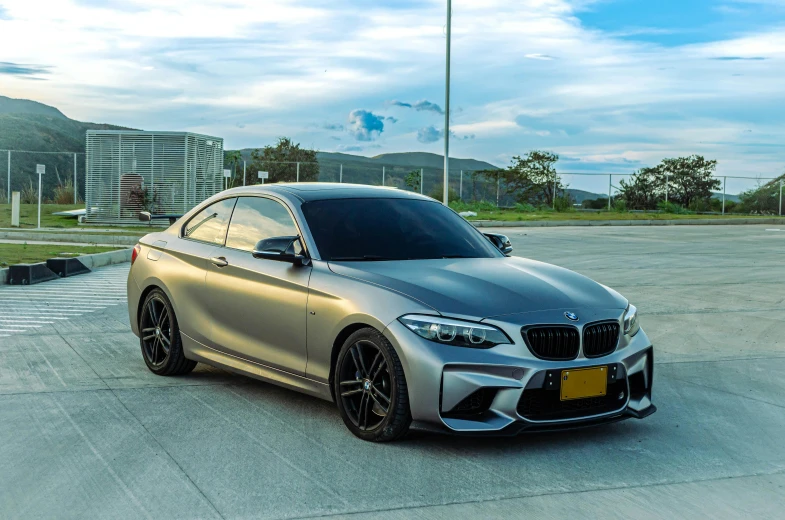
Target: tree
(533,179)
(691,178)
(233,157)
(690,182)
(643,190)
(764,199)
(280,161)
(413,180)
(492,176)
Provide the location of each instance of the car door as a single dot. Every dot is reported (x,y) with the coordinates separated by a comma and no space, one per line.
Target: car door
(258,306)
(184,266)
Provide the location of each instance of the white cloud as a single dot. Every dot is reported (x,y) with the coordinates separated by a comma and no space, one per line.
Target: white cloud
(282,68)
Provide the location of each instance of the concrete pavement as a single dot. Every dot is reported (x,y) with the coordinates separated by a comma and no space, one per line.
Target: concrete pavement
(87,432)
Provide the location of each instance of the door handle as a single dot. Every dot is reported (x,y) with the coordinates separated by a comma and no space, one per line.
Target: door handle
(219,261)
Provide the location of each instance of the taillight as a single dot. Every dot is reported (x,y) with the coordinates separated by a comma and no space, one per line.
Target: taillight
(135,253)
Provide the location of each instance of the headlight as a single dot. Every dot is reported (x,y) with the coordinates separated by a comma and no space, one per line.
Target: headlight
(631,326)
(455,332)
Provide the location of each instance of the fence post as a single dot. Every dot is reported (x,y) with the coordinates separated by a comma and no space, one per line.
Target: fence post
(667,181)
(298,172)
(382,175)
(498,181)
(780,197)
(610,184)
(724,184)
(460,187)
(422,178)
(9,176)
(554,193)
(340,175)
(39,200)
(75,197)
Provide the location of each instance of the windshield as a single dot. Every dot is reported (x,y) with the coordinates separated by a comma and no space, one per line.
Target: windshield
(392,229)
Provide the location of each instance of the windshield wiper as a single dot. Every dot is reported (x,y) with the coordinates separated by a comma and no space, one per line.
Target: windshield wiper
(458,256)
(364,258)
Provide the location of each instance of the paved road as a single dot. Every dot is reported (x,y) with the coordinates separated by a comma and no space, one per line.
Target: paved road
(87,432)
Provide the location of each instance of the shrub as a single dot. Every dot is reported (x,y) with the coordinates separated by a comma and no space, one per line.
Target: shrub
(439,195)
(144,198)
(29,194)
(64,192)
(601,203)
(563,204)
(670,207)
(525,207)
(3,197)
(459,205)
(620,206)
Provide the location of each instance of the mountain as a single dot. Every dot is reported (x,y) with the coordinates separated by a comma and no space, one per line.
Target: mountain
(728,196)
(25,106)
(31,126)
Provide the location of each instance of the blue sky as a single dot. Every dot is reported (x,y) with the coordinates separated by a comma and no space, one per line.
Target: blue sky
(610,85)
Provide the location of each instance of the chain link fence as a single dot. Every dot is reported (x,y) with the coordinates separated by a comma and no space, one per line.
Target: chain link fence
(587,190)
(63,182)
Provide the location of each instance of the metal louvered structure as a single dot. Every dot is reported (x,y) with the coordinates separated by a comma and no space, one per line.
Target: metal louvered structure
(161,172)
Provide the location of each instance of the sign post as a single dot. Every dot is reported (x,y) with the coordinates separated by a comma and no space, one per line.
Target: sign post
(40,169)
(227,176)
(263,176)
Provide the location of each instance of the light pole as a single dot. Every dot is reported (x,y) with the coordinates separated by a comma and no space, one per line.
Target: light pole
(40,169)
(447,111)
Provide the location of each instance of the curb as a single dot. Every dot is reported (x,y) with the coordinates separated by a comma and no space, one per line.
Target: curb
(90,261)
(77,238)
(586,223)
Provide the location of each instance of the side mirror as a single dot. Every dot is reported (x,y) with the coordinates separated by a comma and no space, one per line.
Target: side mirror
(501,242)
(280,249)
(145,216)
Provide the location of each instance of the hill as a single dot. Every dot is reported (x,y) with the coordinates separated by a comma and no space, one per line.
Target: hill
(31,126)
(25,106)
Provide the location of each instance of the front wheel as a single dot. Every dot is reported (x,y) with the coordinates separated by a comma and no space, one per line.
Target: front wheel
(370,388)
(162,347)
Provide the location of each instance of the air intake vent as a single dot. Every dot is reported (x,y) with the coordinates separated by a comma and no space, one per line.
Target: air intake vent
(553,343)
(600,339)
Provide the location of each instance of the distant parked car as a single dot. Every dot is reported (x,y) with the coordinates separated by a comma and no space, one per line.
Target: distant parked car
(392,306)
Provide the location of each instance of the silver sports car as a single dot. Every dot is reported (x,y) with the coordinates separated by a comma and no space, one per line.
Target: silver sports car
(392,306)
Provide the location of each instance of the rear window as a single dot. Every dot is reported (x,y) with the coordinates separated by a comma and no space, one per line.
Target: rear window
(210,224)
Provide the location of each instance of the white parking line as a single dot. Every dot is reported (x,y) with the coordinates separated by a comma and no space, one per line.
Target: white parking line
(24,308)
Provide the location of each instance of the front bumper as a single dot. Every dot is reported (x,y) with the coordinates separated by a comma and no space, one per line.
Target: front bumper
(506,390)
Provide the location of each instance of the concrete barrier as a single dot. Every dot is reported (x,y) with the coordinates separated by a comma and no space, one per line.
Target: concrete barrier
(70,237)
(586,223)
(90,261)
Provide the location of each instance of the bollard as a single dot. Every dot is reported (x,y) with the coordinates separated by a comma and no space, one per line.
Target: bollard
(16,199)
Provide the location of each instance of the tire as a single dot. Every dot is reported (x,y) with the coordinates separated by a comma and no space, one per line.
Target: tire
(157,327)
(368,375)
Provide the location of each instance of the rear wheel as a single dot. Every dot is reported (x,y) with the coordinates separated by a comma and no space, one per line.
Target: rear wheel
(162,347)
(370,388)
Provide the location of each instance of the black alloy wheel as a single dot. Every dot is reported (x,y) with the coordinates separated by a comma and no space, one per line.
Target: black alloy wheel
(370,388)
(159,337)
(156,331)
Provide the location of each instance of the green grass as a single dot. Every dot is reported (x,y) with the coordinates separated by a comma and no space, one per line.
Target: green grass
(12,254)
(28,218)
(517,216)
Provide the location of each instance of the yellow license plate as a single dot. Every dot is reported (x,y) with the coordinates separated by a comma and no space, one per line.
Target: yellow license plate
(580,383)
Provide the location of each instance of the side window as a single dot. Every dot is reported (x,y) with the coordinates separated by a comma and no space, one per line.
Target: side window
(209,225)
(257,218)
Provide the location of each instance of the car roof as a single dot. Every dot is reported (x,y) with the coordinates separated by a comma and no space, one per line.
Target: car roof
(310,191)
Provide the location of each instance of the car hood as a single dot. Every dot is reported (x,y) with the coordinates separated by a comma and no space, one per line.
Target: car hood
(485,287)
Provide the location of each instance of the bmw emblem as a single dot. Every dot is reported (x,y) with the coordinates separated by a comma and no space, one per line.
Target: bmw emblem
(571,316)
